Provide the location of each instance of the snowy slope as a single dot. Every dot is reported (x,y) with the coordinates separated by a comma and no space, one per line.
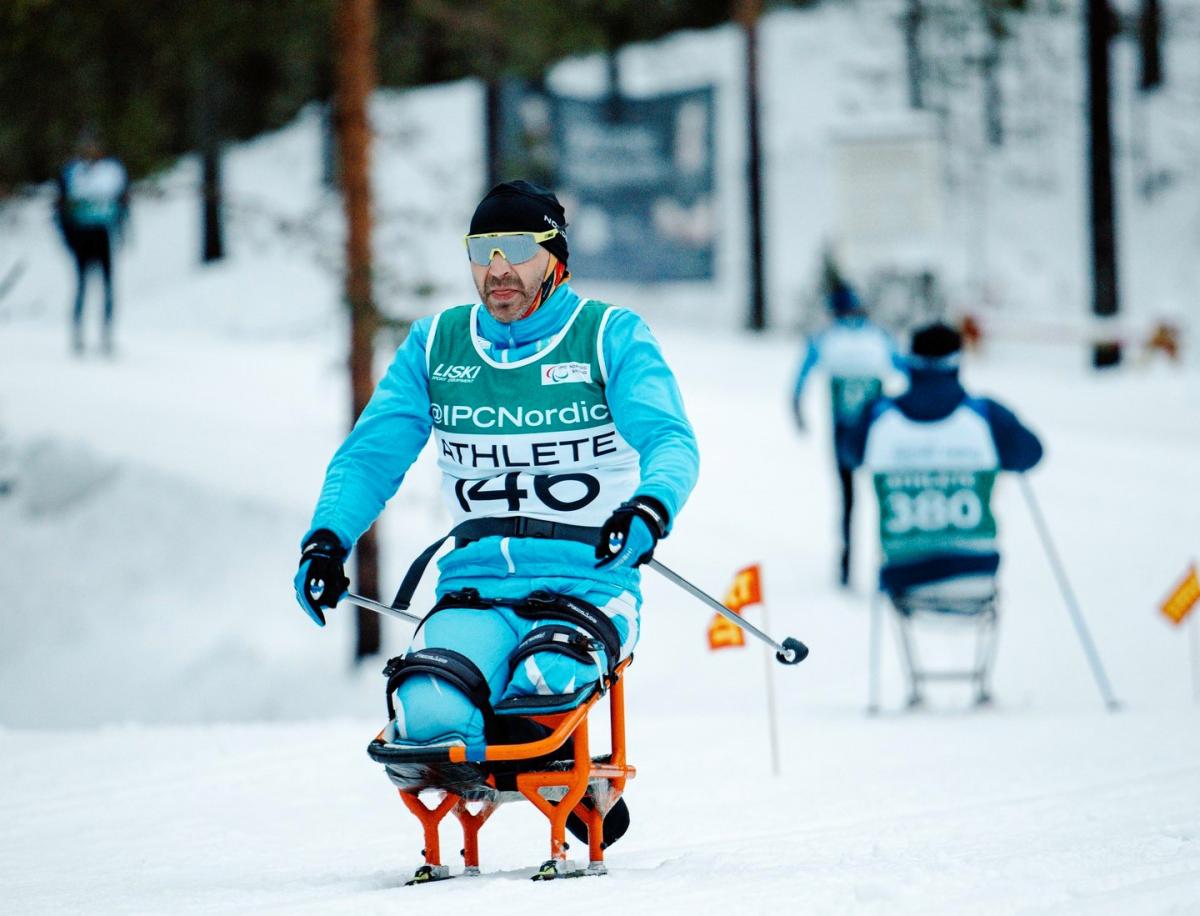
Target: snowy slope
(164,595)
(175,736)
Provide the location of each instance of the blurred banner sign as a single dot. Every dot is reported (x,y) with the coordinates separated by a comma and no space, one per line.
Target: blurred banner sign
(888,193)
(636,177)
(1184,597)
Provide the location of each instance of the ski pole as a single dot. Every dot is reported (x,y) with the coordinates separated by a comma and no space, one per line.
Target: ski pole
(790,652)
(378,608)
(1085,637)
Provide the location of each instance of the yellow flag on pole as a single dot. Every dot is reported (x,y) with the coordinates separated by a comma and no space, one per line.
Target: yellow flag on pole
(1183,598)
(745,590)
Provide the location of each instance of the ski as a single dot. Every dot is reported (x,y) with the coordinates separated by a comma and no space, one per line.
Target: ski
(553,869)
(427,874)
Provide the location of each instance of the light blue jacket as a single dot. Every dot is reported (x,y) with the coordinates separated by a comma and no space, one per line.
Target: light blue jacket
(646,407)
(861,348)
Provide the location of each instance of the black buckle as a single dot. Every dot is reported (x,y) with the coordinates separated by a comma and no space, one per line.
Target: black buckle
(533,527)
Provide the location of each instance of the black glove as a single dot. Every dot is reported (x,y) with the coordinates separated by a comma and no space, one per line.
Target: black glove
(321,580)
(632,532)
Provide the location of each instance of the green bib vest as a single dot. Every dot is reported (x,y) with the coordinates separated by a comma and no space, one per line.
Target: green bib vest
(923,512)
(533,437)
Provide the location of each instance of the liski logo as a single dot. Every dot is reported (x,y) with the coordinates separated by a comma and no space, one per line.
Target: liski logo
(444,373)
(562,373)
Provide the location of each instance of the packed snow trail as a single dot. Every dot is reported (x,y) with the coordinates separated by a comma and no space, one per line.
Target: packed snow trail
(990,813)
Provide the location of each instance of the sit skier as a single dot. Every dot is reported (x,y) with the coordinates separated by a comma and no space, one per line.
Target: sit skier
(858,356)
(934,452)
(565,456)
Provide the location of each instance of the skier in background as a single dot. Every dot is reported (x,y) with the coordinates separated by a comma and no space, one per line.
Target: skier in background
(90,211)
(936,426)
(565,456)
(858,356)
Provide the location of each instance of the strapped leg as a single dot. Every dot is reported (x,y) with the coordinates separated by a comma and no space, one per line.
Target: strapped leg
(431,710)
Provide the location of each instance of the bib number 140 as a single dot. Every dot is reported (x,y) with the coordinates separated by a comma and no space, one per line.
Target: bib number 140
(559,492)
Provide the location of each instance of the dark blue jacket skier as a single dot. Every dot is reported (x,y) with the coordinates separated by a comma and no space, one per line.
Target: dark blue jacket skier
(934,451)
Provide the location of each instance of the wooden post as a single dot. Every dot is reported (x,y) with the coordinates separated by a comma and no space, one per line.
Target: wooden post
(746,12)
(913,15)
(1100,26)
(1150,36)
(354,36)
(772,713)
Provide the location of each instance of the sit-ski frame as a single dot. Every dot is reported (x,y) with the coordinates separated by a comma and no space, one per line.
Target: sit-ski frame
(605,776)
(979,611)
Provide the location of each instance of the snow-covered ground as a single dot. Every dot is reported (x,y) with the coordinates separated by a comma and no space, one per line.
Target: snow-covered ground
(149,544)
(175,735)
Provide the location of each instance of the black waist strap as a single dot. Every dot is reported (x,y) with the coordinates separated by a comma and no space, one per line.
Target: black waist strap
(478,528)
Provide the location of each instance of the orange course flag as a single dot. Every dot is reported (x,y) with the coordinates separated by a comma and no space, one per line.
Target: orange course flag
(1183,598)
(746,590)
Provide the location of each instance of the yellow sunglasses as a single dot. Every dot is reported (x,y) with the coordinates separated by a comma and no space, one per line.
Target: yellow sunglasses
(514,247)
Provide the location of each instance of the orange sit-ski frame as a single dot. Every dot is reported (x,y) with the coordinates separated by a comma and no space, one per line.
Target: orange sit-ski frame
(606,775)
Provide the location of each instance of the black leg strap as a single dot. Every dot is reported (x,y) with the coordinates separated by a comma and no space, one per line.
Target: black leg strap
(558,638)
(542,605)
(447,665)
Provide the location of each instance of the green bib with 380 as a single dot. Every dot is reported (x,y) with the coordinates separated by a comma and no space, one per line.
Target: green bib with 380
(923,512)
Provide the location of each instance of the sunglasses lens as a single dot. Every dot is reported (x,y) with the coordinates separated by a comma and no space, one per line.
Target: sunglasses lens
(516,249)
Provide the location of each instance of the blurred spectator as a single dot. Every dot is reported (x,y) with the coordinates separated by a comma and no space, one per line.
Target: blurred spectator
(92,205)
(857,355)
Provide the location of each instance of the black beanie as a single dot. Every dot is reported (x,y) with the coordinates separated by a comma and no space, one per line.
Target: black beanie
(936,341)
(522,206)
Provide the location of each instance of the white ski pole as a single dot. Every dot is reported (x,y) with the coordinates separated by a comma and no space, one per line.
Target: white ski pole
(1085,637)
(385,610)
(790,652)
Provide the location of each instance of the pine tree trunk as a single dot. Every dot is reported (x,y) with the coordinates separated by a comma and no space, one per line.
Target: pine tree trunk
(1100,25)
(354,30)
(746,12)
(912,52)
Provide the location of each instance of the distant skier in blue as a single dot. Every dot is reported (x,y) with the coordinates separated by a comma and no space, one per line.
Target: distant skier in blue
(90,211)
(566,456)
(858,356)
(938,526)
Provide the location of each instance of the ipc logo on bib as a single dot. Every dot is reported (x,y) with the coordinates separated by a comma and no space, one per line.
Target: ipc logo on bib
(563,373)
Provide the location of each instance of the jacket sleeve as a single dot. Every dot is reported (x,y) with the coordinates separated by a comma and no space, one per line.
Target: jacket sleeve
(647,409)
(1016,445)
(812,356)
(369,466)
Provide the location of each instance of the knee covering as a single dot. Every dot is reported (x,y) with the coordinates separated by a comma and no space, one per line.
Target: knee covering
(549,643)
(446,665)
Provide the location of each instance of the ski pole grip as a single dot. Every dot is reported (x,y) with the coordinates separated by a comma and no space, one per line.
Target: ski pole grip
(794,652)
